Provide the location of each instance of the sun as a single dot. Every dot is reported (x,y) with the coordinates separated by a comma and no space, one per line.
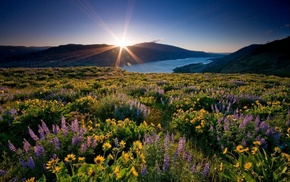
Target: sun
(122,43)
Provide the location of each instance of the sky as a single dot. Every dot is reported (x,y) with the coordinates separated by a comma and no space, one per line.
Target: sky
(202,25)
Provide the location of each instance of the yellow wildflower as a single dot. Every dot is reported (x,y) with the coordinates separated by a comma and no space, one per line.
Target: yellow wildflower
(240,148)
(56,169)
(81,159)
(288,130)
(237,164)
(106,146)
(159,126)
(198,127)
(91,172)
(248,165)
(138,145)
(116,171)
(125,157)
(99,160)
(277,149)
(110,156)
(225,151)
(30,179)
(133,171)
(221,166)
(122,143)
(256,142)
(70,158)
(254,150)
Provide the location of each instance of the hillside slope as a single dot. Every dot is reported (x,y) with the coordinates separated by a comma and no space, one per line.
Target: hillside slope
(270,59)
(99,55)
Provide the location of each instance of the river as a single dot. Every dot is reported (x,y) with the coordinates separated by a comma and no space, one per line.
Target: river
(165,66)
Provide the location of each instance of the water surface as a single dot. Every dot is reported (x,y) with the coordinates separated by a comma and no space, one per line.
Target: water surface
(164,66)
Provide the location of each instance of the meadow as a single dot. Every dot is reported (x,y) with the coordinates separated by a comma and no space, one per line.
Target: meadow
(106,124)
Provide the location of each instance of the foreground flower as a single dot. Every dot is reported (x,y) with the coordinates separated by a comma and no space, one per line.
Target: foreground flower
(106,146)
(138,145)
(122,144)
(225,151)
(237,164)
(30,180)
(240,148)
(70,158)
(99,160)
(248,165)
(256,142)
(133,171)
(254,150)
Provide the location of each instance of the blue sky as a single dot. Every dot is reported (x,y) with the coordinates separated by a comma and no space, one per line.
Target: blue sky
(208,25)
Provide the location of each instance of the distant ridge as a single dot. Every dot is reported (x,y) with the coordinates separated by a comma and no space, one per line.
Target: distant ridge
(270,59)
(98,55)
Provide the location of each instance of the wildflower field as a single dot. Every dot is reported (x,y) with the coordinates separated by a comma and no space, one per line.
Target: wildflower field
(105,124)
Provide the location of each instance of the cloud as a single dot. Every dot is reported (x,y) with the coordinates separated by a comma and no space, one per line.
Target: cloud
(157,40)
(268,32)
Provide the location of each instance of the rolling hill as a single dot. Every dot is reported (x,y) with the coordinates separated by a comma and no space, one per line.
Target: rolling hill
(98,55)
(271,59)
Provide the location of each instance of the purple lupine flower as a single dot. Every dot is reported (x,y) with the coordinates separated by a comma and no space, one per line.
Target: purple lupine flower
(257,121)
(74,140)
(30,163)
(249,134)
(244,143)
(22,162)
(263,126)
(263,141)
(277,136)
(63,126)
(39,150)
(11,146)
(54,156)
(75,125)
(41,132)
(45,128)
(32,135)
(83,148)
(218,138)
(166,161)
(143,170)
(192,169)
(26,145)
(116,142)
(166,142)
(80,138)
(206,169)
(189,157)
(226,124)
(56,143)
(2,172)
(89,141)
(181,143)
(94,143)
(211,128)
(270,131)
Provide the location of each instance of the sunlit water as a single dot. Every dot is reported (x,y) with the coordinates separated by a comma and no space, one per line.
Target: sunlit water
(164,66)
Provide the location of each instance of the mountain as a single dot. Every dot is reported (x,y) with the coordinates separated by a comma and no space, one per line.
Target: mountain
(9,51)
(271,59)
(99,55)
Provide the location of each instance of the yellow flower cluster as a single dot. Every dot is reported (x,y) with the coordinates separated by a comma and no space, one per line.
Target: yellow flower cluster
(241,149)
(69,158)
(52,165)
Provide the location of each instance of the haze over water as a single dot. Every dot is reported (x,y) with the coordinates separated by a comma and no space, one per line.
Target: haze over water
(165,66)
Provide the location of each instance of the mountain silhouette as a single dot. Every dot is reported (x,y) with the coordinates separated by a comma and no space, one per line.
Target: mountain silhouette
(272,58)
(99,55)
